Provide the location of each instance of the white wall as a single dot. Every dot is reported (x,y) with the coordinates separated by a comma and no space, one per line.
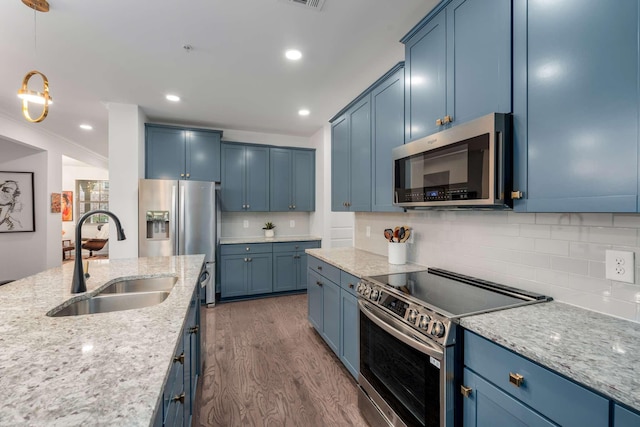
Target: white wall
(42,249)
(126,167)
(25,253)
(561,255)
(336,228)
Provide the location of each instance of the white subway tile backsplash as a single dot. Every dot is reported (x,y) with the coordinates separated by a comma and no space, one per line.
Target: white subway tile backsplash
(552,277)
(597,269)
(570,265)
(563,232)
(554,247)
(592,219)
(588,251)
(556,254)
(553,218)
(536,231)
(614,236)
(626,220)
(535,260)
(588,284)
(521,218)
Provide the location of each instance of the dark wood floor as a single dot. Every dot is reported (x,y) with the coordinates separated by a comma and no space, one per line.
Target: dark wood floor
(266,366)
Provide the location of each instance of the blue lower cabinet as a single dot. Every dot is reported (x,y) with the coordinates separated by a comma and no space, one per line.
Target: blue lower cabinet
(314,300)
(487,405)
(285,273)
(259,273)
(179,394)
(550,395)
(331,314)
(624,418)
(233,276)
(333,311)
(349,332)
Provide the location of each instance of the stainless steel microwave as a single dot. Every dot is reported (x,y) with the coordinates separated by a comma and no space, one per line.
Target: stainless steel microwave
(466,166)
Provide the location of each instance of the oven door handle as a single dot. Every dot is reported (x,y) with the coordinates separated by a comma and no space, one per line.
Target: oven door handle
(410,340)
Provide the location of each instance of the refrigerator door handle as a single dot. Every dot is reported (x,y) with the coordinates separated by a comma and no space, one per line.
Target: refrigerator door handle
(182,229)
(175,227)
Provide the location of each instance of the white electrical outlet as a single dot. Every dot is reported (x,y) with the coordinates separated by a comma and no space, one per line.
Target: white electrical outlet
(620,266)
(368,231)
(245,223)
(292,223)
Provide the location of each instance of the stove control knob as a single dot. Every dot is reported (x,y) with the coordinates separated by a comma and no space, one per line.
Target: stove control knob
(424,322)
(438,329)
(367,291)
(413,315)
(360,288)
(374,295)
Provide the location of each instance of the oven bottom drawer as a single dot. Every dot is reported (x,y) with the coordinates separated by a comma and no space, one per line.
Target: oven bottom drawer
(372,412)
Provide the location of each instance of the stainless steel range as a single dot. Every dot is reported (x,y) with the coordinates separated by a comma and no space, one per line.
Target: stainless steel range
(410,349)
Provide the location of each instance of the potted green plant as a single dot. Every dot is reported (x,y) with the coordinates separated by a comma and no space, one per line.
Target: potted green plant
(268,229)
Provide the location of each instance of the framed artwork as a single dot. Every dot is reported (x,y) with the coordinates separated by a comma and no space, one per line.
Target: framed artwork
(17,208)
(55,203)
(67,205)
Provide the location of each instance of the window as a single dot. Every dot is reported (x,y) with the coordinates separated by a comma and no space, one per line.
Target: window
(92,195)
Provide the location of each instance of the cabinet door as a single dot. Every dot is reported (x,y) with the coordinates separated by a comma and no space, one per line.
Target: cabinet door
(314,300)
(387,103)
(301,268)
(303,182)
(478,58)
(203,155)
(360,156)
(257,179)
(285,271)
(340,164)
(280,180)
(232,187)
(349,334)
(425,68)
(259,273)
(624,418)
(165,153)
(489,406)
(331,315)
(576,106)
(233,276)
(188,364)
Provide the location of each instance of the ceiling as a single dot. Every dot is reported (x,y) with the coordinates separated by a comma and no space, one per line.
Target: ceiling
(235,77)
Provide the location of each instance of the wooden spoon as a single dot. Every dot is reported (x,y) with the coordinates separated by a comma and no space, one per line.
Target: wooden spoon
(407,234)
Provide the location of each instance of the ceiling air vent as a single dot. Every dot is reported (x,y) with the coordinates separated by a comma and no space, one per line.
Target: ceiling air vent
(309,4)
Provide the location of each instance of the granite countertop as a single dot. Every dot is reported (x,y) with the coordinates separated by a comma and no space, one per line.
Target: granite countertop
(262,239)
(361,263)
(596,350)
(100,369)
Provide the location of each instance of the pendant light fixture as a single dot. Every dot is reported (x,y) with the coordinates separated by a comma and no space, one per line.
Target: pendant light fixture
(42,98)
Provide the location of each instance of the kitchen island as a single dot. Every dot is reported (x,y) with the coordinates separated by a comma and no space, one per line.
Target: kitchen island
(96,369)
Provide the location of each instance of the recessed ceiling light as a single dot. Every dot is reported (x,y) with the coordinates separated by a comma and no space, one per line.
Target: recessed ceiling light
(173,98)
(304,112)
(86,127)
(293,54)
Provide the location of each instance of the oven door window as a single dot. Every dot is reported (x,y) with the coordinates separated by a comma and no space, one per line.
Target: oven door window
(404,377)
(455,172)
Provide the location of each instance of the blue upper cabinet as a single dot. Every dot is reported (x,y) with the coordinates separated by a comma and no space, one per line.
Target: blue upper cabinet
(245,178)
(292,182)
(182,153)
(351,158)
(362,137)
(426,85)
(576,106)
(387,132)
(457,65)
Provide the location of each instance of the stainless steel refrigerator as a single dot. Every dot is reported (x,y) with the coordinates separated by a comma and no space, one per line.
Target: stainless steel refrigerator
(180,218)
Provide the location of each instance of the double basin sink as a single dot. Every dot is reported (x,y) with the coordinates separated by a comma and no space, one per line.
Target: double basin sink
(125,294)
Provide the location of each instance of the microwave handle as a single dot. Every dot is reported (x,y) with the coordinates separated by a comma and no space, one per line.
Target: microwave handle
(412,341)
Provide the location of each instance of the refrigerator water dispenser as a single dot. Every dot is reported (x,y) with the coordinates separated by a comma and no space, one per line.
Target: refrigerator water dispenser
(158,225)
